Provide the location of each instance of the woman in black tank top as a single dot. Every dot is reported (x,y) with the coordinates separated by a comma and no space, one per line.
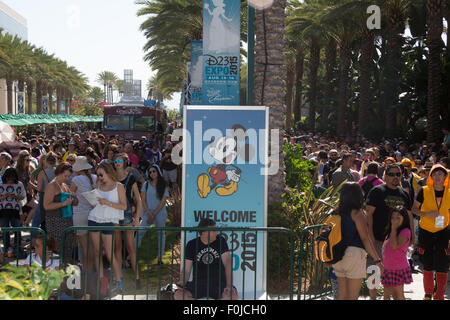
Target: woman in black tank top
(350,271)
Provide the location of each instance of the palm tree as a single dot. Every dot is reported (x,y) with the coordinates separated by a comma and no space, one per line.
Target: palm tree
(434,22)
(306,21)
(169,28)
(154,85)
(395,27)
(366,38)
(16,55)
(270,75)
(330,71)
(102,78)
(343,32)
(108,80)
(120,87)
(290,80)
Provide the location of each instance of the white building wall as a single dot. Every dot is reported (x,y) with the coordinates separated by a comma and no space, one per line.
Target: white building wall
(12,23)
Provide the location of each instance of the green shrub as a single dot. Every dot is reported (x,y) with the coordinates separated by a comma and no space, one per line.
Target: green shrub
(19,283)
(297,167)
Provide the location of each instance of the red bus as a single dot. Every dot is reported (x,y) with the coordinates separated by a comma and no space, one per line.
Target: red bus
(132,121)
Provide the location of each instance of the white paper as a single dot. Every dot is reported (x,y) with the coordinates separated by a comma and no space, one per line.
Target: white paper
(92,197)
(439,222)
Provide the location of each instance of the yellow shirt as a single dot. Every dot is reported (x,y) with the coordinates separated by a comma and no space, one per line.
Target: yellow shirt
(430,204)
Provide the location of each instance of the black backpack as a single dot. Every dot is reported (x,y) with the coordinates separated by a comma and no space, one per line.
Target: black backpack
(367,186)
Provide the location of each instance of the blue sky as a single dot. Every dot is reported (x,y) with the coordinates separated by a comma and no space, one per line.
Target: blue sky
(91,35)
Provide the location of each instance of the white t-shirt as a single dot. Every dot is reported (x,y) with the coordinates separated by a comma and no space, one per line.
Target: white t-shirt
(83,185)
(50,266)
(12,203)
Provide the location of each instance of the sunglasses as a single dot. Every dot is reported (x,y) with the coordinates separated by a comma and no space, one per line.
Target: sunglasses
(152,171)
(100,175)
(118,161)
(390,174)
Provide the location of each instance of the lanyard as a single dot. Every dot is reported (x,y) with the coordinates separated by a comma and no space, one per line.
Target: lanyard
(440,203)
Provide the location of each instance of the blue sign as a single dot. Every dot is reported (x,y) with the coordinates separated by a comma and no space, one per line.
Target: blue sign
(149,103)
(221,52)
(196,72)
(224,180)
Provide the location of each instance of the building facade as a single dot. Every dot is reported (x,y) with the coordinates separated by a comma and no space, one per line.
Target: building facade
(14,24)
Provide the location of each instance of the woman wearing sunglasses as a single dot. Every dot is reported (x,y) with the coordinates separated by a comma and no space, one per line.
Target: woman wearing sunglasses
(107,213)
(133,197)
(155,193)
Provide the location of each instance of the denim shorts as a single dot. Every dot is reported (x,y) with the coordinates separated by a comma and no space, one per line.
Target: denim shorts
(96,224)
(127,218)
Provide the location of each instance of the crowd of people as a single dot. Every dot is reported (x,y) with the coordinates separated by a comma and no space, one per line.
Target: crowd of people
(394,201)
(46,185)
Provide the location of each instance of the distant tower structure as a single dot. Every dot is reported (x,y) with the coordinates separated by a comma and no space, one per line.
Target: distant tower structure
(132,90)
(128,83)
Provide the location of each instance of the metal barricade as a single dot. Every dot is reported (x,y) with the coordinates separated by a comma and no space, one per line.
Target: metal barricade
(246,246)
(313,276)
(20,254)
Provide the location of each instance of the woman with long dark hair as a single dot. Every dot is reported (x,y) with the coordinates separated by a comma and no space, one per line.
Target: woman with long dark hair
(133,197)
(154,194)
(397,270)
(351,270)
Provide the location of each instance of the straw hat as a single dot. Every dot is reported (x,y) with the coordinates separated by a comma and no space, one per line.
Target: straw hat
(81,164)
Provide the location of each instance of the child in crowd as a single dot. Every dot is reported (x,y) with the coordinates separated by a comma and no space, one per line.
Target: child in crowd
(397,271)
(50,264)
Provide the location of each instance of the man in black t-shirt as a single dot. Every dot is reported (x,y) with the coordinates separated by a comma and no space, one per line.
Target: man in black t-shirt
(329,167)
(380,201)
(209,258)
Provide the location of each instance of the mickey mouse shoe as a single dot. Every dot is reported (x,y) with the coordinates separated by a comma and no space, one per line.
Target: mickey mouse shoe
(203,185)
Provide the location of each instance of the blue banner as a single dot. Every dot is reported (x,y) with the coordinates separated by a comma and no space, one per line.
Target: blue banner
(196,72)
(224,180)
(221,52)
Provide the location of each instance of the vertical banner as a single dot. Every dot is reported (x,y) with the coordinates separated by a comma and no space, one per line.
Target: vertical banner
(221,52)
(188,88)
(45,105)
(21,102)
(62,106)
(224,179)
(196,72)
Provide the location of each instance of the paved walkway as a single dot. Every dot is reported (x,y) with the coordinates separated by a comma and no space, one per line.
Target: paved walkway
(414,291)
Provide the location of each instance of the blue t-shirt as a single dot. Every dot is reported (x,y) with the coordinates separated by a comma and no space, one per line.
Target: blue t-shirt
(152,198)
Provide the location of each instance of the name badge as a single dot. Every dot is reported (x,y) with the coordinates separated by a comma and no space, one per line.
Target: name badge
(439,222)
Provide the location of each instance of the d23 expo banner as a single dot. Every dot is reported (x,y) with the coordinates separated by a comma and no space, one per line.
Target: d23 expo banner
(196,72)
(221,52)
(62,107)
(45,100)
(224,179)
(21,102)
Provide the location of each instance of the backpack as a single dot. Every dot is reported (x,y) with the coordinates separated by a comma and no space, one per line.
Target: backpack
(367,186)
(329,246)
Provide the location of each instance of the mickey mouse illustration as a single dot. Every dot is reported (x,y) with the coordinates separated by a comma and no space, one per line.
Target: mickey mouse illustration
(225,174)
